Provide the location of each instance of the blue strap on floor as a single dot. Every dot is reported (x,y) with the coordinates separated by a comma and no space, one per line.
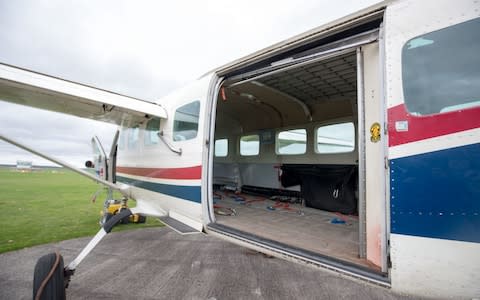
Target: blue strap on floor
(337,221)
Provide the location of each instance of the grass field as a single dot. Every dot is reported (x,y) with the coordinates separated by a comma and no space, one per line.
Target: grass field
(47,206)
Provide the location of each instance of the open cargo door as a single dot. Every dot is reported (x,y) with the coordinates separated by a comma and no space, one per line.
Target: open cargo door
(298,131)
(372,156)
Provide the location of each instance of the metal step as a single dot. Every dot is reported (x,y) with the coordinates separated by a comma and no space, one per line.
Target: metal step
(178,226)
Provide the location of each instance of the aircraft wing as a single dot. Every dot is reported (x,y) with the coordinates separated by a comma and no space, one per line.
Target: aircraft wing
(46,92)
(37,90)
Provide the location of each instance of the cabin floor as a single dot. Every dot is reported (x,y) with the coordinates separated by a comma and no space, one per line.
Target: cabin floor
(326,233)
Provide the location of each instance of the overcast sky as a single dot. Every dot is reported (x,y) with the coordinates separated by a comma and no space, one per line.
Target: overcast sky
(143,49)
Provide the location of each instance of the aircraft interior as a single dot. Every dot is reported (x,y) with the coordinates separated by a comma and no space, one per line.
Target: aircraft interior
(286,158)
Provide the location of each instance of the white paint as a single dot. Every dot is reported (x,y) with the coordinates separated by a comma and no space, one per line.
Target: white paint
(146,208)
(458,139)
(435,268)
(157,204)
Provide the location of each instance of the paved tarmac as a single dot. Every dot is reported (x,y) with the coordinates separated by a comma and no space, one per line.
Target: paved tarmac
(158,263)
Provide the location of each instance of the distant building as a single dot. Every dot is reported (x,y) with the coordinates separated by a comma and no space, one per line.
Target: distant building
(24,165)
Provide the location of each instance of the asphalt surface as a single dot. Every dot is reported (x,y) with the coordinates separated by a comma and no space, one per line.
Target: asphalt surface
(158,263)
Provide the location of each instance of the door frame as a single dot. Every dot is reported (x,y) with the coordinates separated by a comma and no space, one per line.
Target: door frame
(372,164)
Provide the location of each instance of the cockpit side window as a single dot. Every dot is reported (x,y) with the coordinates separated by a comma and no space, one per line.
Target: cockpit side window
(185,123)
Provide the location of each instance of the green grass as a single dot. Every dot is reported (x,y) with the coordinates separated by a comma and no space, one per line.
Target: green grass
(48,206)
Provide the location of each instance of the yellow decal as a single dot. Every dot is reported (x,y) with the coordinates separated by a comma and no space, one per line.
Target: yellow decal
(375,132)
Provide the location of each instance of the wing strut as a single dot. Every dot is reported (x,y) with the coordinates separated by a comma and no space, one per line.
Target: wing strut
(107,227)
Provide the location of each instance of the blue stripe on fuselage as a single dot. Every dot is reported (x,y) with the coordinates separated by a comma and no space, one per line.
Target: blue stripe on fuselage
(190,193)
(437,194)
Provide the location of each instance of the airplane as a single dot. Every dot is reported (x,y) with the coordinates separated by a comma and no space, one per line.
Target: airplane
(353,147)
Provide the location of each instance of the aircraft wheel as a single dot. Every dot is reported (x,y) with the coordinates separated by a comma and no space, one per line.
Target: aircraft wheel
(48,277)
(125,220)
(142,219)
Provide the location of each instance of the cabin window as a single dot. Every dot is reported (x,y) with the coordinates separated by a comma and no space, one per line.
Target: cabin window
(134,133)
(151,132)
(291,142)
(221,148)
(185,123)
(441,70)
(250,145)
(335,138)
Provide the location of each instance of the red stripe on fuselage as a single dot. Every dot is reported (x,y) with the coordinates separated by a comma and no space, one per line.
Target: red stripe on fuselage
(424,127)
(164,173)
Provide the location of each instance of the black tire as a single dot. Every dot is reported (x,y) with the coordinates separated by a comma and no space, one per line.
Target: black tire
(48,278)
(142,219)
(125,220)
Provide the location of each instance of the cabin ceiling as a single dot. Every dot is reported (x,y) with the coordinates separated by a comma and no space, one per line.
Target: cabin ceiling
(315,92)
(328,80)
